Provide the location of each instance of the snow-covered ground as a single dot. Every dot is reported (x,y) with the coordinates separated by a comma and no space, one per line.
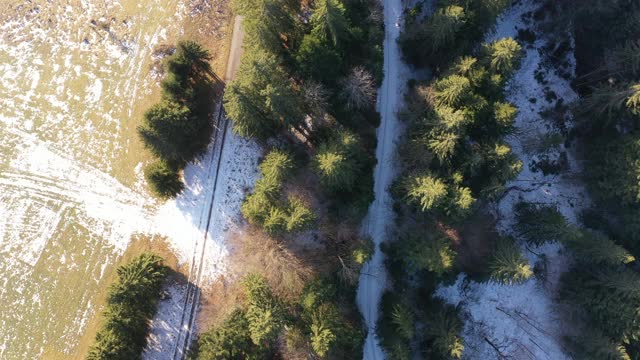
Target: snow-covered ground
(220,213)
(523,321)
(380,216)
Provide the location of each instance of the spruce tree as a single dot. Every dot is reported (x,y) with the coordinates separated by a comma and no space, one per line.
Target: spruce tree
(598,249)
(504,114)
(329,20)
(443,144)
(444,25)
(324,322)
(425,191)
(507,265)
(540,223)
(615,169)
(592,345)
(403,318)
(164,179)
(276,166)
(452,91)
(265,314)
(300,217)
(442,333)
(423,252)
(170,132)
(230,341)
(336,162)
(610,304)
(505,55)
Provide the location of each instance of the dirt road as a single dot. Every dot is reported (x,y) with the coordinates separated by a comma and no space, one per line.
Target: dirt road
(381,217)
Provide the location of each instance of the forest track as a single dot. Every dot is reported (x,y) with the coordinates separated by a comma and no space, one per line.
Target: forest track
(380,217)
(193,292)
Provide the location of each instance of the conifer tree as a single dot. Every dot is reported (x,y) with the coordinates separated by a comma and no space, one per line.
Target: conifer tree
(329,20)
(443,26)
(507,265)
(505,55)
(261,100)
(336,162)
(592,345)
(164,179)
(461,202)
(324,323)
(403,319)
(276,166)
(169,131)
(443,144)
(465,65)
(616,170)
(442,333)
(422,252)
(452,91)
(450,118)
(505,114)
(230,341)
(612,305)
(265,23)
(540,223)
(633,101)
(597,248)
(265,314)
(131,303)
(299,216)
(425,191)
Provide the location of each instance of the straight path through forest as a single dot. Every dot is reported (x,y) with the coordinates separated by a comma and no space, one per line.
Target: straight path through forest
(187,323)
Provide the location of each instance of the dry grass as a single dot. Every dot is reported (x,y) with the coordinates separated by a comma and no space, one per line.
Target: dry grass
(218,301)
(286,271)
(253,251)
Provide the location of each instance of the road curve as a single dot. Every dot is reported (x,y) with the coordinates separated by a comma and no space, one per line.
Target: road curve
(380,218)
